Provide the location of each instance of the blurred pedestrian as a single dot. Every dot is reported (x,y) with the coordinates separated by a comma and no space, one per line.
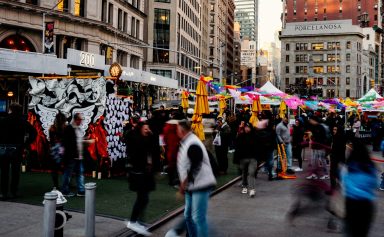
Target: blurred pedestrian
(141,175)
(297,140)
(337,155)
(56,136)
(284,137)
(359,182)
(17,134)
(73,142)
(196,179)
(221,149)
(171,141)
(245,155)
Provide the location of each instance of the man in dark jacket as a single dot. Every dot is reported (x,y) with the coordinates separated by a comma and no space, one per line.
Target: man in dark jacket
(17,134)
(222,149)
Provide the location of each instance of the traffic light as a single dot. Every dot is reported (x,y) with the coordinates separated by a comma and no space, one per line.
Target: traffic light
(372,82)
(109,52)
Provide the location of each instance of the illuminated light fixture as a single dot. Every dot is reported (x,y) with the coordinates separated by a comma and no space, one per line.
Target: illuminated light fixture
(163,18)
(153,78)
(10,93)
(11,42)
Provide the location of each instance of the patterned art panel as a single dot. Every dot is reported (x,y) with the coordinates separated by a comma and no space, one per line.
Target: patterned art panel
(117,111)
(69,96)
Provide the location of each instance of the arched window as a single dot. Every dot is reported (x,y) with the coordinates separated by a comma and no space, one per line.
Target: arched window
(17,42)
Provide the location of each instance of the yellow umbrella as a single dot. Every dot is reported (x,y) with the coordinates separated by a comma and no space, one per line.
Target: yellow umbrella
(283,109)
(222,105)
(256,109)
(184,100)
(201,107)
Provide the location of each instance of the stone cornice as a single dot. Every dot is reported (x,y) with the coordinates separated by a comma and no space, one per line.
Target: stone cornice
(64,16)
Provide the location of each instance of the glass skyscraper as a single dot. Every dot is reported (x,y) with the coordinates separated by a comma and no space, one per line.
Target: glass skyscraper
(246,14)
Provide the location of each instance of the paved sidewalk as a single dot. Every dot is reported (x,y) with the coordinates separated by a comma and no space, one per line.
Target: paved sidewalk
(18,220)
(232,214)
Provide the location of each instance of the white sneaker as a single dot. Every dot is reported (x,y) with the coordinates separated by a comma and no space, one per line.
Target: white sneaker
(252,193)
(138,228)
(324,177)
(298,169)
(312,176)
(171,233)
(244,191)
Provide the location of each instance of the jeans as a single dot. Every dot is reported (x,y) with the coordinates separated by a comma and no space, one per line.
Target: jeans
(10,160)
(77,166)
(288,152)
(319,159)
(141,203)
(269,163)
(195,213)
(249,165)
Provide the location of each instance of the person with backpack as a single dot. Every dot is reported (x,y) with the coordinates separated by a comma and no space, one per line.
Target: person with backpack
(320,144)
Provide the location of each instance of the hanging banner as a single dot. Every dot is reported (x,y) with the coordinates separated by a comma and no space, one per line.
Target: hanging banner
(48,43)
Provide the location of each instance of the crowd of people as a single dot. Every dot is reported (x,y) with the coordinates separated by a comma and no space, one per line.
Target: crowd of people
(164,141)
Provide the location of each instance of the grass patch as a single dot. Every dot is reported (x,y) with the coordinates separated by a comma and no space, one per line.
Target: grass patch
(113,196)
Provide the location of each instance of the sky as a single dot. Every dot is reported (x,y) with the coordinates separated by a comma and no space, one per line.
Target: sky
(269,19)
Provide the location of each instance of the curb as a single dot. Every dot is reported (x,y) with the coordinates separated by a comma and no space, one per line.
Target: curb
(175,213)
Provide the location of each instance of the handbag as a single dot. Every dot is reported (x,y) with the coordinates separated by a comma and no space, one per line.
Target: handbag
(217,140)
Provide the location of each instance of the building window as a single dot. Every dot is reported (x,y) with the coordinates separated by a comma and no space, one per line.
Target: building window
(161,35)
(348,57)
(333,45)
(301,69)
(287,47)
(347,93)
(348,45)
(286,81)
(125,22)
(348,69)
(347,81)
(34,2)
(318,69)
(287,58)
(333,69)
(121,58)
(367,36)
(317,46)
(133,26)
(301,46)
(110,14)
(135,62)
(167,1)
(120,20)
(138,29)
(286,69)
(104,10)
(164,73)
(332,57)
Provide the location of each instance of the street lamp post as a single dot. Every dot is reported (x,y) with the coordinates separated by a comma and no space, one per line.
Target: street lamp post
(221,63)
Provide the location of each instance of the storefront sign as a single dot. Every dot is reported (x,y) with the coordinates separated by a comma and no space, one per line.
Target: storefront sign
(85,59)
(323,27)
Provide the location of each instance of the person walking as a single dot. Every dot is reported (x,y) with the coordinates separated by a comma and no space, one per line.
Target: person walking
(56,136)
(284,137)
(196,179)
(141,175)
(221,150)
(297,140)
(359,181)
(73,142)
(320,145)
(17,134)
(337,155)
(245,155)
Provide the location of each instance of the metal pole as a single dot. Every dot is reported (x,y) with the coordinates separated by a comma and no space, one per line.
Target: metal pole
(221,65)
(42,45)
(90,196)
(337,79)
(49,214)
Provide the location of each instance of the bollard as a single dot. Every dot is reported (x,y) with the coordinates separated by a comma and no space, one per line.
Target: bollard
(90,196)
(49,214)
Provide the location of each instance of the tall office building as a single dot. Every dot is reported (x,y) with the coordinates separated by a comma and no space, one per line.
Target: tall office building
(246,14)
(221,35)
(175,26)
(331,47)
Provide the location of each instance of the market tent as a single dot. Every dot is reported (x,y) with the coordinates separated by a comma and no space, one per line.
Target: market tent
(270,88)
(371,95)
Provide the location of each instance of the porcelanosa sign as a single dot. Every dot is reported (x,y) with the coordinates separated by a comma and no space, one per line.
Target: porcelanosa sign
(325,27)
(317,27)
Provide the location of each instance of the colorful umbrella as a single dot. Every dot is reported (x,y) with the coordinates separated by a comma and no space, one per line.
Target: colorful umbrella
(184,100)
(282,109)
(201,107)
(256,109)
(222,105)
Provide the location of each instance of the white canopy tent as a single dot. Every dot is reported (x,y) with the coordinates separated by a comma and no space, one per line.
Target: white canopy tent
(370,95)
(270,88)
